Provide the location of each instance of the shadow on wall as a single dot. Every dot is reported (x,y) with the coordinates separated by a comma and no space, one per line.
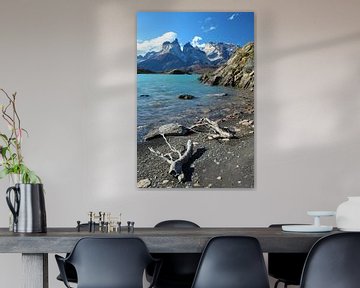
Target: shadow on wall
(113,104)
(307,120)
(310,47)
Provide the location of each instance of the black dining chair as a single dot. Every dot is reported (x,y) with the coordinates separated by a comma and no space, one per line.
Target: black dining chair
(232,262)
(178,269)
(70,271)
(286,267)
(333,262)
(108,263)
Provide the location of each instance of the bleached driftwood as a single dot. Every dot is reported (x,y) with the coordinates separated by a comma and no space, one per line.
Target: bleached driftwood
(216,131)
(176,166)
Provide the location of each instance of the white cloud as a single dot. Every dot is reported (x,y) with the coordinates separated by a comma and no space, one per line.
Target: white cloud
(154,44)
(208,28)
(208,25)
(233,16)
(195,42)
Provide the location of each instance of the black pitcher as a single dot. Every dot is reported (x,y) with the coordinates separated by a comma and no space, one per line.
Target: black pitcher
(28,207)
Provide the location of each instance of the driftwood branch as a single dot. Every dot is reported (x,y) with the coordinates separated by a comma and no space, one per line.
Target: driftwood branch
(171,148)
(176,166)
(216,131)
(166,157)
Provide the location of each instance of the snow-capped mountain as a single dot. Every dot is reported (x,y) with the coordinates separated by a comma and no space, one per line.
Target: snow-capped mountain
(171,56)
(173,48)
(146,56)
(194,55)
(220,52)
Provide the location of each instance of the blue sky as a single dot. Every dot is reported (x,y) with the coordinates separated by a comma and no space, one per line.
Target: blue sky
(153,28)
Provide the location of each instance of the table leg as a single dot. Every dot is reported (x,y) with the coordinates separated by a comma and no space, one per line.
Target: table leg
(35,270)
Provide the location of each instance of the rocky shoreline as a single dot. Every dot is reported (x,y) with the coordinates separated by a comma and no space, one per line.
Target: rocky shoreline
(215,163)
(219,153)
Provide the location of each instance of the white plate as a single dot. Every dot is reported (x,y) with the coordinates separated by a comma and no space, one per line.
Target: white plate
(306,228)
(350,229)
(321,213)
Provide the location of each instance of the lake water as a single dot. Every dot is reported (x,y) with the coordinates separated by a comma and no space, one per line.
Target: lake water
(158,102)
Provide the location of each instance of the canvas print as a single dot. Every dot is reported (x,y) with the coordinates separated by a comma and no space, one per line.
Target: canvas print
(195,99)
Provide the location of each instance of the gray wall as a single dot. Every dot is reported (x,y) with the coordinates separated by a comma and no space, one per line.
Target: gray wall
(73,66)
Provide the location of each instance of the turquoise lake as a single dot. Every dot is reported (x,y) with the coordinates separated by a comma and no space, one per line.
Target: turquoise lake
(158,102)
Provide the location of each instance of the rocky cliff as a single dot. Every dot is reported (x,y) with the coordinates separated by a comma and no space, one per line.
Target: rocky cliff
(237,72)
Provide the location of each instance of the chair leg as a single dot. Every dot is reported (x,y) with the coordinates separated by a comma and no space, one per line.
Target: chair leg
(278,282)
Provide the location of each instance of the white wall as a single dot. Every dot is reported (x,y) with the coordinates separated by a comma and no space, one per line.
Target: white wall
(73,66)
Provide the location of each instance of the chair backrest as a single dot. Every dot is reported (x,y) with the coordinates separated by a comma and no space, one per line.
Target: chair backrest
(178,269)
(110,262)
(286,267)
(333,262)
(232,262)
(176,224)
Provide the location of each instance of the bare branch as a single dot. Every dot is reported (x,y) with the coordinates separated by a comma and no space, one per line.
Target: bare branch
(176,166)
(14,123)
(213,126)
(162,156)
(171,148)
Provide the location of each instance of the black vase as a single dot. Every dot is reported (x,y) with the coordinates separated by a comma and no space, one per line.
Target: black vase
(28,208)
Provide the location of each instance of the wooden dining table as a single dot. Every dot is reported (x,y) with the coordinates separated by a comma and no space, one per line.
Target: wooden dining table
(35,247)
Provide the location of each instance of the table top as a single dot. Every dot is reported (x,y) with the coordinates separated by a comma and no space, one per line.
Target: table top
(158,240)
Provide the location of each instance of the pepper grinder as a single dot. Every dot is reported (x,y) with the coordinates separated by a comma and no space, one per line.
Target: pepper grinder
(90,221)
(78,226)
(130,226)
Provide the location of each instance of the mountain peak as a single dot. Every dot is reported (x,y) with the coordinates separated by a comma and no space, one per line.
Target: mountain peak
(169,45)
(172,56)
(172,48)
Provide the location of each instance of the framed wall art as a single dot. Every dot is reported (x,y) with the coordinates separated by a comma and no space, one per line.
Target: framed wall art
(195,99)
